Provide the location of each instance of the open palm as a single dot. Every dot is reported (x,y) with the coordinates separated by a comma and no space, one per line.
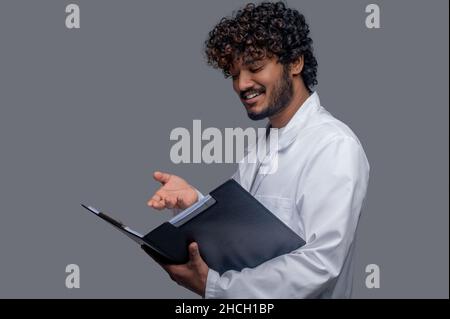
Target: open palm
(175,192)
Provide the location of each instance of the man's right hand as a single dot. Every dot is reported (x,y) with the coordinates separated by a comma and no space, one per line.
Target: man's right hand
(175,192)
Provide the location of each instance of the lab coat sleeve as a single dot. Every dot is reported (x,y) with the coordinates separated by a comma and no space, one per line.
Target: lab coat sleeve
(329,199)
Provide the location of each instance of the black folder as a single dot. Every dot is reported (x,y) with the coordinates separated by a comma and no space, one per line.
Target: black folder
(232,228)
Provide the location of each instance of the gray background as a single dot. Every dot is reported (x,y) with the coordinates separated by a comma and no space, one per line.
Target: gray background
(85,116)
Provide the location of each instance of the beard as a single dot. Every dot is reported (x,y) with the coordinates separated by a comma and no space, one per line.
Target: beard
(279,99)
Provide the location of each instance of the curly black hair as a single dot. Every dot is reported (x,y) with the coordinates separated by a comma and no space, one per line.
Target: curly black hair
(264,30)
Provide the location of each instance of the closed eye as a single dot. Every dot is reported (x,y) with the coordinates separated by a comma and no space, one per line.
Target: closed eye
(257,69)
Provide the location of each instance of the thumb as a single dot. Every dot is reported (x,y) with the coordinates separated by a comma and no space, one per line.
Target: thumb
(161,177)
(194,253)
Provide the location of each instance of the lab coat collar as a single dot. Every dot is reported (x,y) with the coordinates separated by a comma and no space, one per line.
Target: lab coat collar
(288,133)
(286,136)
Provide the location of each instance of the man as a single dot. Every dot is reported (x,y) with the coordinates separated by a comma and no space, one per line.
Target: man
(321,180)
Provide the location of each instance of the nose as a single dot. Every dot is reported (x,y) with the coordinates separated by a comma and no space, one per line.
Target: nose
(244,82)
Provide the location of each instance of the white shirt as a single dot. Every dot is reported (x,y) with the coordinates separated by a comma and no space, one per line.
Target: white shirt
(317,189)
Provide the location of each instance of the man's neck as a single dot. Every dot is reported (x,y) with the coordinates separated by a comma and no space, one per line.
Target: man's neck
(301,94)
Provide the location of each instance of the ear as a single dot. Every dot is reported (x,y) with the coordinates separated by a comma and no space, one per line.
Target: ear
(297,66)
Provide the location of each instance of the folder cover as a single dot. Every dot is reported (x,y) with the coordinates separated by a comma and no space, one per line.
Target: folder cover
(232,228)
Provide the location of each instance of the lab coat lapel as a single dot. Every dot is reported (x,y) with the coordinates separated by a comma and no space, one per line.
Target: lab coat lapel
(249,165)
(252,172)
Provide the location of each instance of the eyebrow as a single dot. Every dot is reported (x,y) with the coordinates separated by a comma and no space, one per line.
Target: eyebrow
(252,61)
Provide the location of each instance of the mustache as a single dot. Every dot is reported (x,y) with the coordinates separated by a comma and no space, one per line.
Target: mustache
(260,90)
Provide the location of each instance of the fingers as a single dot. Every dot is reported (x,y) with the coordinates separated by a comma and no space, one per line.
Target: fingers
(161,177)
(156,197)
(159,205)
(156,202)
(162,200)
(194,253)
(180,202)
(170,202)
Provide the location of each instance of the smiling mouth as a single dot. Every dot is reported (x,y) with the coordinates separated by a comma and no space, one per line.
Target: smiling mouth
(251,97)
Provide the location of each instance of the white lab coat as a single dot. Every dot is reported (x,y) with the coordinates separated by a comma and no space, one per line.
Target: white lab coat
(317,189)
